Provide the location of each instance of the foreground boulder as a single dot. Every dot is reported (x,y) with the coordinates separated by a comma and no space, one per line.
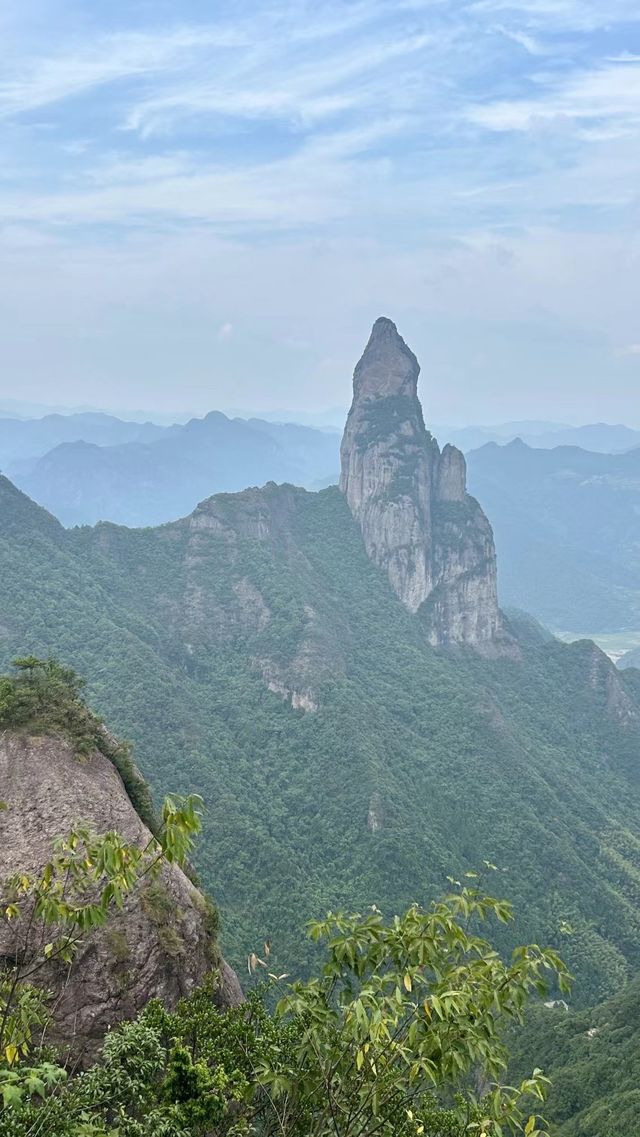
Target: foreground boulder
(160,945)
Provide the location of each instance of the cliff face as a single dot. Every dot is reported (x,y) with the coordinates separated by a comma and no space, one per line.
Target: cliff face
(410,500)
(160,945)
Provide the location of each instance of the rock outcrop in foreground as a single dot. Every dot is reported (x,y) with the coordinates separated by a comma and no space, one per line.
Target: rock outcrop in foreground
(418,522)
(160,945)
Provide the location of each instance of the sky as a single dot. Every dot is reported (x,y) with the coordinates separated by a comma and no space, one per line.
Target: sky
(206,205)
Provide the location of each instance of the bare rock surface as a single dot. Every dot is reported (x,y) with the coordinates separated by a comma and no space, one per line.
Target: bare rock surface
(160,945)
(418,523)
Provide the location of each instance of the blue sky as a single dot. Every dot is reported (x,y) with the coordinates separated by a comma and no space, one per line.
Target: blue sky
(206,204)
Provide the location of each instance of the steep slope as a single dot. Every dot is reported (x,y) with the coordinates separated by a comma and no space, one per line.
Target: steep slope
(567,528)
(148,483)
(593,1060)
(160,945)
(255,655)
(418,523)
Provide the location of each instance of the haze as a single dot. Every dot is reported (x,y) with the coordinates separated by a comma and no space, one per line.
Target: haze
(207,205)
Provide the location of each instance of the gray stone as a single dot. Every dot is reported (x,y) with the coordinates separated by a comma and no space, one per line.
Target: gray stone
(451,476)
(147,950)
(418,523)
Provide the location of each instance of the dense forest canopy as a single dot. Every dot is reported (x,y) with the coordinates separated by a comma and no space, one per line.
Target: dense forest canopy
(416,764)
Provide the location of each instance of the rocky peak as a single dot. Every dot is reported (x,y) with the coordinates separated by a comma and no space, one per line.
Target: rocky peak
(387,461)
(387,367)
(417,520)
(451,480)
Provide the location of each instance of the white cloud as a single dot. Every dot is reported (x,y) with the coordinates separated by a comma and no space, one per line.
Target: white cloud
(43,81)
(609,92)
(309,165)
(261,86)
(564,15)
(320,181)
(530,44)
(487,299)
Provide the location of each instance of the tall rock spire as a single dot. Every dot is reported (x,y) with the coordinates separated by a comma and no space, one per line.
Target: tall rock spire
(387,462)
(418,522)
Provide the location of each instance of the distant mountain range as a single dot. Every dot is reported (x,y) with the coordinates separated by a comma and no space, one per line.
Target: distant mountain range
(87,468)
(630,658)
(566,519)
(601,437)
(567,530)
(22,439)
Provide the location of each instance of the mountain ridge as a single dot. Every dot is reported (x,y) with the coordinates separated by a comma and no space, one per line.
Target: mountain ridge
(567,532)
(332,744)
(256,654)
(140,482)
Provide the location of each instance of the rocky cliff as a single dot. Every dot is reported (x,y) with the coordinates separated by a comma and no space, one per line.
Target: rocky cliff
(160,945)
(417,520)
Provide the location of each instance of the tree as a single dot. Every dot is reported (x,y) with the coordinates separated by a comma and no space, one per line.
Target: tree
(402,1033)
(52,911)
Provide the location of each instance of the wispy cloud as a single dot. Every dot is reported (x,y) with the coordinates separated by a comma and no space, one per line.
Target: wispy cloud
(318,182)
(565,15)
(260,85)
(609,93)
(43,81)
(429,152)
(530,43)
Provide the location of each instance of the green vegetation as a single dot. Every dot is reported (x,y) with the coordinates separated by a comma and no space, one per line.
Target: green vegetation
(385,417)
(52,911)
(529,765)
(161,910)
(43,697)
(401,1034)
(566,527)
(593,1060)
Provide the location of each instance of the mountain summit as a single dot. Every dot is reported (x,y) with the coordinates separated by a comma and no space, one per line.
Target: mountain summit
(417,520)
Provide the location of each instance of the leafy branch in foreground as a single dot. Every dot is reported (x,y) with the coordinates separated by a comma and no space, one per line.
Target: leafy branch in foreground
(402,1031)
(47,915)
(400,1035)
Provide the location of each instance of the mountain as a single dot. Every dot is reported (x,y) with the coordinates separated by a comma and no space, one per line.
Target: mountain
(329,419)
(601,437)
(88,467)
(21,440)
(160,944)
(567,530)
(148,483)
(593,1060)
(630,658)
(417,520)
(279,652)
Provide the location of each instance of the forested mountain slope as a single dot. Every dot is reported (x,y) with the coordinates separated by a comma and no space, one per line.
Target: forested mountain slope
(567,530)
(255,655)
(593,1060)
